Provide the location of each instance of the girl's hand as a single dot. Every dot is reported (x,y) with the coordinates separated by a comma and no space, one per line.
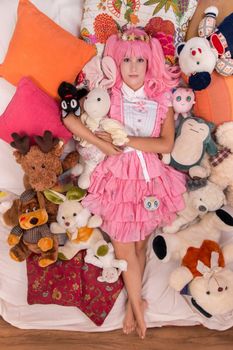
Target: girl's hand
(108,148)
(104,136)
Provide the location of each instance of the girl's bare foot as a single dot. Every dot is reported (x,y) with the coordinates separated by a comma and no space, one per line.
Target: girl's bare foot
(141,325)
(129,323)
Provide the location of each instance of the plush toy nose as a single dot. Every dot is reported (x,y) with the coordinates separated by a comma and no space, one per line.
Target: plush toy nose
(67,223)
(193,52)
(220,289)
(202,208)
(33,221)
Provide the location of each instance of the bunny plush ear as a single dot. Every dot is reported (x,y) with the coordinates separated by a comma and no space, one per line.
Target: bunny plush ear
(109,68)
(93,72)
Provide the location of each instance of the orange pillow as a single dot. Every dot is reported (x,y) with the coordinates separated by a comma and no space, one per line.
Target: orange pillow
(43,51)
(215,103)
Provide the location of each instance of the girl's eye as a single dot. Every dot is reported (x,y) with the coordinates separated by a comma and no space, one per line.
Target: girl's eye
(141,60)
(126,59)
(188,98)
(178,98)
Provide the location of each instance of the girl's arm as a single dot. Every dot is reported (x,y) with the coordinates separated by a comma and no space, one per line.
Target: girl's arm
(75,125)
(162,144)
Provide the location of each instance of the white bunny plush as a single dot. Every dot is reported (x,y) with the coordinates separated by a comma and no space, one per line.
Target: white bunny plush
(76,222)
(96,107)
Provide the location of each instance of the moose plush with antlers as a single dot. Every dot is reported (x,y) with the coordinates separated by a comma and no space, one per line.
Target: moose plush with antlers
(41,162)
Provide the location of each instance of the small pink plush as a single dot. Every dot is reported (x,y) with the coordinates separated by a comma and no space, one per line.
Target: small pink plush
(182,101)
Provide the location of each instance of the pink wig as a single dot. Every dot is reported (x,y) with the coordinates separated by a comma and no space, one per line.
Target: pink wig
(159,77)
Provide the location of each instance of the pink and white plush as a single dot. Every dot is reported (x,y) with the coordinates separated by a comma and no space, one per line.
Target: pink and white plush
(183,100)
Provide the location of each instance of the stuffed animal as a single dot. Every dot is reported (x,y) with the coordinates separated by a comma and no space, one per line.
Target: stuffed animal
(193,139)
(6,200)
(96,107)
(210,226)
(32,234)
(220,166)
(101,254)
(76,221)
(70,97)
(213,49)
(197,203)
(210,282)
(41,162)
(183,100)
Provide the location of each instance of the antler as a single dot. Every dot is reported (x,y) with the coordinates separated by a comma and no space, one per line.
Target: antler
(46,142)
(22,144)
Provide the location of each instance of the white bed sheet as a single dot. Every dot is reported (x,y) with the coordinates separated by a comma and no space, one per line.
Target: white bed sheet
(165,306)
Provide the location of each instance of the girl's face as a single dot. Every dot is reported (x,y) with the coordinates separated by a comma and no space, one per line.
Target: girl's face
(133,71)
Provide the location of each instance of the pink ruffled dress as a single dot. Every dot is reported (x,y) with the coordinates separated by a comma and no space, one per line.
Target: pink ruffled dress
(135,192)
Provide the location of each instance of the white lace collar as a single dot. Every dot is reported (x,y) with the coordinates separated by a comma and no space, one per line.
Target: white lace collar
(130,94)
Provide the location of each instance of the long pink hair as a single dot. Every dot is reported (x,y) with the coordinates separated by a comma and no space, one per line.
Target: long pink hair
(159,76)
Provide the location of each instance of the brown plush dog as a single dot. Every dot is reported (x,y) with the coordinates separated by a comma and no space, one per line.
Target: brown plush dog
(32,234)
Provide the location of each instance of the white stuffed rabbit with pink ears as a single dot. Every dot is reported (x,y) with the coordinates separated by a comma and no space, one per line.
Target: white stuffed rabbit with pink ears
(101,75)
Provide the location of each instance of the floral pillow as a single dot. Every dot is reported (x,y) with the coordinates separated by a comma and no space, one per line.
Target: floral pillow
(167,20)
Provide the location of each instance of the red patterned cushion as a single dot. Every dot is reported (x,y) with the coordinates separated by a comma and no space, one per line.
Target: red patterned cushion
(72,283)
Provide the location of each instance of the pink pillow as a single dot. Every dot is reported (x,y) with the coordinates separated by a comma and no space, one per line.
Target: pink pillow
(31,111)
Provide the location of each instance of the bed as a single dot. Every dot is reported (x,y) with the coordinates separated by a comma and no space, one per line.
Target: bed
(165,306)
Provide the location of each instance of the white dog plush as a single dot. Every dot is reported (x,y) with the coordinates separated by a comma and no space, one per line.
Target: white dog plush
(197,203)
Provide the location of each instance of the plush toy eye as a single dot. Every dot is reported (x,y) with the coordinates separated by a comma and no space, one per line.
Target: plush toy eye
(63,217)
(208,292)
(33,167)
(75,214)
(188,98)
(226,288)
(178,98)
(148,204)
(98,99)
(42,166)
(63,104)
(34,208)
(27,211)
(73,103)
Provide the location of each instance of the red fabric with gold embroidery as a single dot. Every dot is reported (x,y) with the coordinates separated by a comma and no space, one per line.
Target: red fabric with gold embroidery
(72,283)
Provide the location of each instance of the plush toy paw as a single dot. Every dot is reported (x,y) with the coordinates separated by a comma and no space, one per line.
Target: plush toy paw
(13,239)
(180,277)
(84,181)
(45,244)
(43,262)
(14,256)
(199,172)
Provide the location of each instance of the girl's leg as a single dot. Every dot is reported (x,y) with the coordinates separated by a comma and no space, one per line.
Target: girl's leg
(133,279)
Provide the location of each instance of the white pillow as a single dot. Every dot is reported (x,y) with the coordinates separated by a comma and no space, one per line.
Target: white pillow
(66,13)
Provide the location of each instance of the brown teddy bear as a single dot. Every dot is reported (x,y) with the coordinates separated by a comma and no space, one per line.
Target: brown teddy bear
(32,233)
